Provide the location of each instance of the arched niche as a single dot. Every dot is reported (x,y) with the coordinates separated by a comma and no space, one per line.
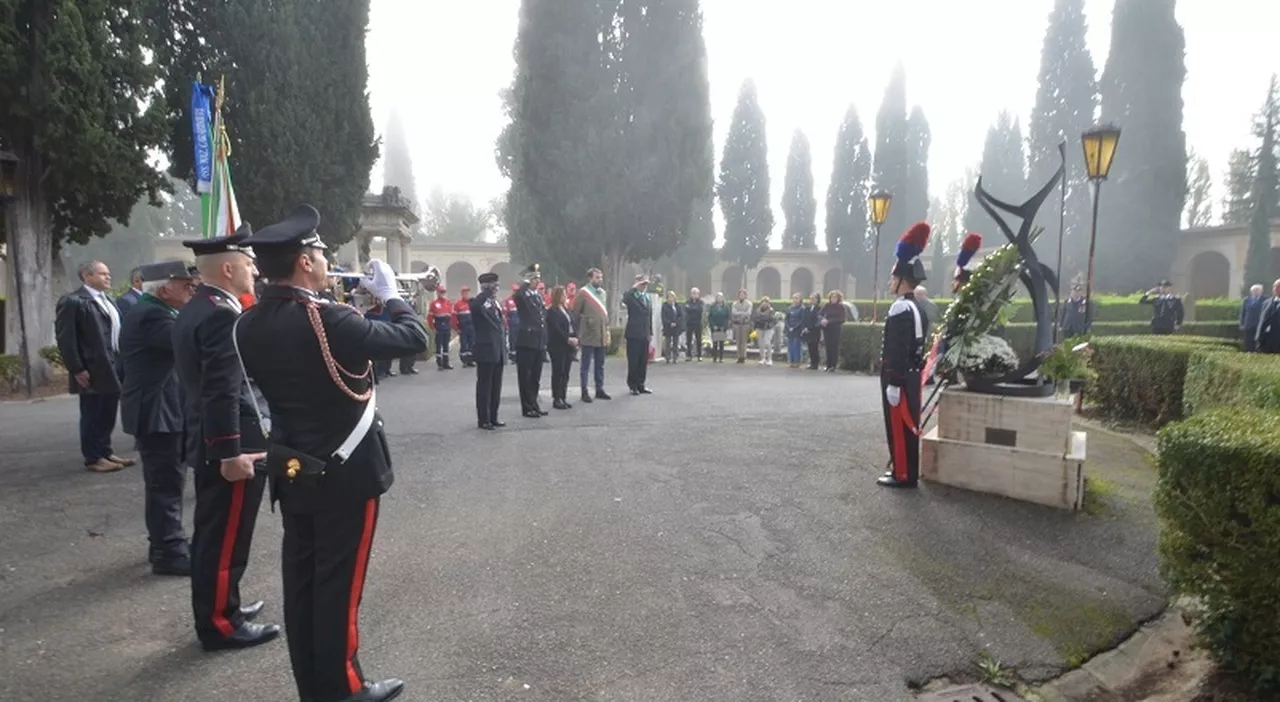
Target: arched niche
(459,274)
(1210,275)
(802,282)
(769,283)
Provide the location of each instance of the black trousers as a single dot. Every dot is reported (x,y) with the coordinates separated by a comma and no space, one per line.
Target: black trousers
(97,421)
(488,391)
(163,474)
(381,369)
(325,557)
(442,345)
(902,426)
(226,513)
(693,341)
(529,377)
(637,363)
(831,335)
(406,364)
(814,340)
(1250,340)
(561,364)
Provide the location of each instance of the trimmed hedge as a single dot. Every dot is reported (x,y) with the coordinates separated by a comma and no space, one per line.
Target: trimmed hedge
(1141,378)
(1218,496)
(860,343)
(1231,380)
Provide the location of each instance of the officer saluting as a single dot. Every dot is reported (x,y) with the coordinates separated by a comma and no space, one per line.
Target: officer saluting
(905,331)
(488,352)
(1167,316)
(327,460)
(531,342)
(151,408)
(224,439)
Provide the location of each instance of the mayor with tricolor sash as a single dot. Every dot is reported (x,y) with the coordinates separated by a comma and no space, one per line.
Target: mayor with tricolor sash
(591,310)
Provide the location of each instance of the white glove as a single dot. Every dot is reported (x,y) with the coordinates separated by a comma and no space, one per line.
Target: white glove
(893,394)
(383,281)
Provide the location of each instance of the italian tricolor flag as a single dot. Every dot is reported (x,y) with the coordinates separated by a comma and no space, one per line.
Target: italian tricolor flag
(220,215)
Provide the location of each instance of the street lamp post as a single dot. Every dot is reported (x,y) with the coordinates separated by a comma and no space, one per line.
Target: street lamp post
(880,202)
(1099,151)
(8,194)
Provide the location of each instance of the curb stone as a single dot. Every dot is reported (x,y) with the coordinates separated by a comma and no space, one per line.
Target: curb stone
(1163,644)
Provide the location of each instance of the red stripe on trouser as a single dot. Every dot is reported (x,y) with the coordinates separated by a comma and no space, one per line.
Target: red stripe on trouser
(229,535)
(899,442)
(357,585)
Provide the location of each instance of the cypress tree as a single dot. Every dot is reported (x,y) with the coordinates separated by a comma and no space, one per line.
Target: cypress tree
(397,163)
(1236,204)
(891,172)
(297,105)
(1257,264)
(743,188)
(1066,100)
(916,203)
(1199,210)
(1003,176)
(847,193)
(78,109)
(607,146)
(1141,206)
(799,206)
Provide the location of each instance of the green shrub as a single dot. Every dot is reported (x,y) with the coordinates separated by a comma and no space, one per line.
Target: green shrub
(11,371)
(52,355)
(1218,498)
(1141,378)
(860,346)
(1231,380)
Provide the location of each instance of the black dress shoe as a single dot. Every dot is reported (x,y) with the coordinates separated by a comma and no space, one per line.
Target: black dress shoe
(645,391)
(533,414)
(586,397)
(890,481)
(411,371)
(558,404)
(602,395)
(496,423)
(634,391)
(252,610)
(180,566)
(380,691)
(486,426)
(542,412)
(248,635)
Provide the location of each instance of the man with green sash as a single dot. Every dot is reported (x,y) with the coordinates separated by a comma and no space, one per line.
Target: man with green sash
(591,311)
(151,408)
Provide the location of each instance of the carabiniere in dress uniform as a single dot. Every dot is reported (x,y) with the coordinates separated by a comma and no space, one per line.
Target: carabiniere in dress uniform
(328,457)
(902,360)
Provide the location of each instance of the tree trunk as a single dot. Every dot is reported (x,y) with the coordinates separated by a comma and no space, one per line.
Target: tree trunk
(30,303)
(612,270)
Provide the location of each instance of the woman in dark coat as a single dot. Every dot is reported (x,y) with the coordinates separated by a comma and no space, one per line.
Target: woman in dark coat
(833,315)
(562,339)
(672,327)
(813,329)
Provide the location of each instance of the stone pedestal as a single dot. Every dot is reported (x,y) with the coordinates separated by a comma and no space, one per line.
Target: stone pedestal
(1021,448)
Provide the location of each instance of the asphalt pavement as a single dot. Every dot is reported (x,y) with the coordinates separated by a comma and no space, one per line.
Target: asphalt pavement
(721,539)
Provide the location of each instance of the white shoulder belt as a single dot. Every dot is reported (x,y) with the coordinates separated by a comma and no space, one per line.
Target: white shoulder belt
(353,439)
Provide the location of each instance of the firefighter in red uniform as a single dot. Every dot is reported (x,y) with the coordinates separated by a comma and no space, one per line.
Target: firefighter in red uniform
(466,330)
(440,316)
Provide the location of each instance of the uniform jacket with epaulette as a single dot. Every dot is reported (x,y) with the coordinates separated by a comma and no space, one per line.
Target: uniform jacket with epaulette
(905,330)
(532,313)
(220,420)
(151,400)
(309,412)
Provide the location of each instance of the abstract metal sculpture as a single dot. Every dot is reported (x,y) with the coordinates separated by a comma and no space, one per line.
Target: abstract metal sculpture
(1040,281)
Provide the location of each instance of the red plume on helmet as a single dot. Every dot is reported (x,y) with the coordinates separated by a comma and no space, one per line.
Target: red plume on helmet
(913,242)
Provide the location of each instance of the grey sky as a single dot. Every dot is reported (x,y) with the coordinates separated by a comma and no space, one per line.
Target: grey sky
(443,63)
